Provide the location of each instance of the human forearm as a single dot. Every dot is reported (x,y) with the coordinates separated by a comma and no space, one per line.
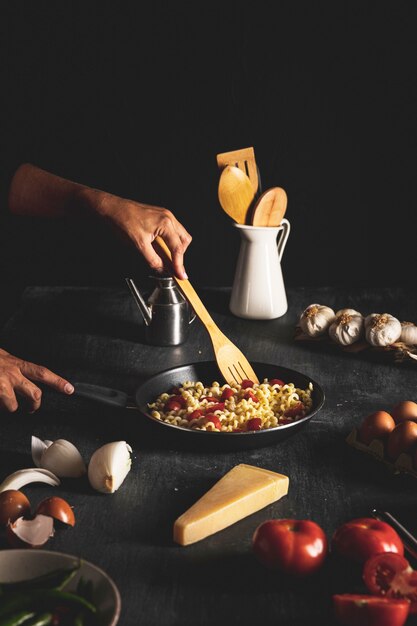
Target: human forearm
(35,192)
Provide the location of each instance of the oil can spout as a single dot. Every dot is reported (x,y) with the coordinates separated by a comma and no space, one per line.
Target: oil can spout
(142,306)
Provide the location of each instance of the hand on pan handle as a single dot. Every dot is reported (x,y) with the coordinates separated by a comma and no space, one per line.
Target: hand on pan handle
(15,380)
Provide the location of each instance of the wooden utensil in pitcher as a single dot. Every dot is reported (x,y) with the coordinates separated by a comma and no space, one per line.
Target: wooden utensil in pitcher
(270,208)
(243,159)
(232,363)
(235,193)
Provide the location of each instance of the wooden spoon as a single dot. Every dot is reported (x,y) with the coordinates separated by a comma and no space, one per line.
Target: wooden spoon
(244,159)
(232,363)
(235,193)
(270,208)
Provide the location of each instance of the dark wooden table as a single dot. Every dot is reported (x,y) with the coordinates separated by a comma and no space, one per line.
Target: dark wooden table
(95,335)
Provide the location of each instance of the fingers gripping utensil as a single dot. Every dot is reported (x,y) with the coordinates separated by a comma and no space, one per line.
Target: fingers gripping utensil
(244,160)
(231,361)
(270,208)
(235,193)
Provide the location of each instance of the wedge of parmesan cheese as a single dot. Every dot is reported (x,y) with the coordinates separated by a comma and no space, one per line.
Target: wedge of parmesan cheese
(242,491)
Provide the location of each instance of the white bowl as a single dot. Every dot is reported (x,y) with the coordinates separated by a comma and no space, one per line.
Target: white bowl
(18,565)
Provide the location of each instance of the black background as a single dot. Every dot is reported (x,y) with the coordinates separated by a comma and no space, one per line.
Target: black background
(138,98)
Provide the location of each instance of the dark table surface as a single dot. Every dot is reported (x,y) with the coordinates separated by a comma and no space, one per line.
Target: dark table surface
(95,335)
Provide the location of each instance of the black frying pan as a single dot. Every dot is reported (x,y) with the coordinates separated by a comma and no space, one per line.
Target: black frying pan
(206,372)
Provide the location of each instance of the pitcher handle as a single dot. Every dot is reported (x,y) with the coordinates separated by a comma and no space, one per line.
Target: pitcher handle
(286,227)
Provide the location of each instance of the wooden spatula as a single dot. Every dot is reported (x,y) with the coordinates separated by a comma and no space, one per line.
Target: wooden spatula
(232,363)
(235,193)
(270,208)
(244,159)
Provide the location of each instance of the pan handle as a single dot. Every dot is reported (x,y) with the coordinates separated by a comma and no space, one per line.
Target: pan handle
(105,395)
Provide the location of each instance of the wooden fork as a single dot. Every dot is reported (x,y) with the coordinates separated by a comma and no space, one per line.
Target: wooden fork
(244,159)
(231,361)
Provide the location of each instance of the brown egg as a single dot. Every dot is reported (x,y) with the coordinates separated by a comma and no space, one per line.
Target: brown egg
(406,410)
(58,508)
(13,504)
(375,426)
(402,439)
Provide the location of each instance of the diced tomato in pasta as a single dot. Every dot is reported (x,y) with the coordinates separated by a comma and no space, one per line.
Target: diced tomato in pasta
(276,381)
(254,424)
(194,415)
(295,410)
(213,419)
(245,384)
(250,395)
(227,393)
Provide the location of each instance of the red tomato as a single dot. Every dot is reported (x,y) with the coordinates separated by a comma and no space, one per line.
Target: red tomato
(254,424)
(392,576)
(210,417)
(227,393)
(361,538)
(209,398)
(219,406)
(245,384)
(250,395)
(173,405)
(195,415)
(295,547)
(358,610)
(295,410)
(276,381)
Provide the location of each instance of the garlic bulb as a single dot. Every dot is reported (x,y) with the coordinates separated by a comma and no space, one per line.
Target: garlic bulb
(63,459)
(382,329)
(316,319)
(347,327)
(109,466)
(408,333)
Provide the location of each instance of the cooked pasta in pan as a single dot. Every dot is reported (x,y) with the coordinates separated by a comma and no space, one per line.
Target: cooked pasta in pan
(237,408)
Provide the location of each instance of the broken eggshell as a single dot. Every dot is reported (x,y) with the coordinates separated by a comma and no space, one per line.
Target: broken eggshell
(30,533)
(13,504)
(58,509)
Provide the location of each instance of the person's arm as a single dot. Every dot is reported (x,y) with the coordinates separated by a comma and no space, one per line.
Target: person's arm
(35,192)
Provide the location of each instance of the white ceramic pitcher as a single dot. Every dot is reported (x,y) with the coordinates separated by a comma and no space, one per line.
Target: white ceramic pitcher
(258,289)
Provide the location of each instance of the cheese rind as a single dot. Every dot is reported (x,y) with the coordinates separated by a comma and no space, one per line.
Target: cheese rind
(245,489)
